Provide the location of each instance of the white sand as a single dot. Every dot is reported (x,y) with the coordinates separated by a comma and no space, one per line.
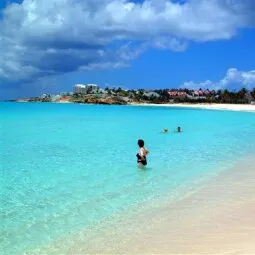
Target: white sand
(218,219)
(232,107)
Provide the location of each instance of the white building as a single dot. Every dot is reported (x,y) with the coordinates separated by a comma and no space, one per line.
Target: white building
(86,88)
(79,88)
(92,88)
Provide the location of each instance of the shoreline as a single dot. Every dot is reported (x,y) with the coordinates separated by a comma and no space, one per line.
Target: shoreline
(207,106)
(216,219)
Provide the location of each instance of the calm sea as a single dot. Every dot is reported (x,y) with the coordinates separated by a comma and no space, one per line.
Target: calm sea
(64,167)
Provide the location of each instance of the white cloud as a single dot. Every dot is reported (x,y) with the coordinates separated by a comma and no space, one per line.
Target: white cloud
(104,65)
(233,78)
(172,43)
(246,79)
(42,37)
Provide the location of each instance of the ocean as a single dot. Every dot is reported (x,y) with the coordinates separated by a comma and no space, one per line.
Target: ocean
(66,167)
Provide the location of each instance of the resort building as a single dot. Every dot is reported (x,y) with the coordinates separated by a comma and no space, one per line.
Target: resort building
(79,88)
(201,92)
(177,94)
(191,94)
(93,87)
(85,88)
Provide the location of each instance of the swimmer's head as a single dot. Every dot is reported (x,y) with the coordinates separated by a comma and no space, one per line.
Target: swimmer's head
(165,130)
(140,143)
(179,129)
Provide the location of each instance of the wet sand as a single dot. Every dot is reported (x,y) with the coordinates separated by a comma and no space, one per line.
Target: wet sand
(217,219)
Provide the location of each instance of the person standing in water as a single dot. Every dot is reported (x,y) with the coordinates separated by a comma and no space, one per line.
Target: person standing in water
(165,131)
(141,155)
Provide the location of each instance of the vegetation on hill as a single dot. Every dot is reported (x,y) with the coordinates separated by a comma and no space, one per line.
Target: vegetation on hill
(159,96)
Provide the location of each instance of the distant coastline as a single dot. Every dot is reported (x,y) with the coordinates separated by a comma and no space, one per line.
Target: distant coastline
(242,100)
(93,94)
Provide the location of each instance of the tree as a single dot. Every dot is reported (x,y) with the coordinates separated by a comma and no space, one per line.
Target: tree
(119,89)
(242,92)
(225,96)
(253,93)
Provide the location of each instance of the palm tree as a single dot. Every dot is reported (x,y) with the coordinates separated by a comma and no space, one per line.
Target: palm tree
(242,92)
(253,93)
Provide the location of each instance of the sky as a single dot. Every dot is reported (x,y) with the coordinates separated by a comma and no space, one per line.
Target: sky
(48,46)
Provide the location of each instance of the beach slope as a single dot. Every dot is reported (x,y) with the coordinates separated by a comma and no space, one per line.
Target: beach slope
(217,219)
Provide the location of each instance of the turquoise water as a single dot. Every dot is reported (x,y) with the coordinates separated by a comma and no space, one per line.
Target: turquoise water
(66,166)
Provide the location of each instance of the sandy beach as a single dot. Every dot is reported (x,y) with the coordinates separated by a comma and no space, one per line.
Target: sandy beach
(231,107)
(217,219)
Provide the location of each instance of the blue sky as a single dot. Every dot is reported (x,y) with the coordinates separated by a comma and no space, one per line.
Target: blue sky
(48,46)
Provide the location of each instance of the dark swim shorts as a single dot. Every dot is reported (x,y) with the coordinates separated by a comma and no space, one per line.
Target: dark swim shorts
(140,160)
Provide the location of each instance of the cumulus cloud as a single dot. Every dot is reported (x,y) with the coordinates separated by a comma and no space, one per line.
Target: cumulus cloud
(233,78)
(42,37)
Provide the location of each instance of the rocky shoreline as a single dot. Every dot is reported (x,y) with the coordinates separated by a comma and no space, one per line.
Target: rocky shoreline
(88,100)
(104,101)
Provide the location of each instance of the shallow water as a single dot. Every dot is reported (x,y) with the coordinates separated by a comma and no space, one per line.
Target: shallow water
(65,166)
